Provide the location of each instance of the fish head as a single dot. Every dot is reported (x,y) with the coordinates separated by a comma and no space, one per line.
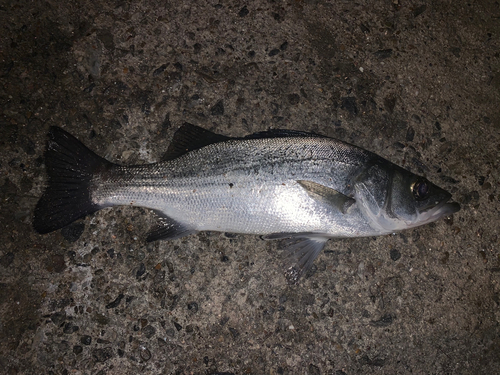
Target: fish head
(417,201)
(395,199)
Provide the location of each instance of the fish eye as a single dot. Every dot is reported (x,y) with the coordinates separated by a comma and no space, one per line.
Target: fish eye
(420,190)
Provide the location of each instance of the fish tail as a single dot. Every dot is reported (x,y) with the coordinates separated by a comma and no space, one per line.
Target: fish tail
(70,167)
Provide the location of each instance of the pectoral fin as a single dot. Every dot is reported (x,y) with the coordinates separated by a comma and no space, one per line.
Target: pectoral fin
(328,195)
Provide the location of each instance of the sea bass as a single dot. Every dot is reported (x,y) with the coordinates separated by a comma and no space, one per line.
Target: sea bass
(279,184)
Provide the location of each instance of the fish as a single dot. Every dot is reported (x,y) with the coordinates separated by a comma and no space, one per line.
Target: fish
(299,187)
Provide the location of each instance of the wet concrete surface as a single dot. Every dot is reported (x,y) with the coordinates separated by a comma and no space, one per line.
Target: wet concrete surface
(416,82)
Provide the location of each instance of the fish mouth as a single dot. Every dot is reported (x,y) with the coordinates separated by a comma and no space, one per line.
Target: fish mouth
(442,209)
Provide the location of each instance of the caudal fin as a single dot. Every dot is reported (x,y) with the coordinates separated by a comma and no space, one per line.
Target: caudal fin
(70,168)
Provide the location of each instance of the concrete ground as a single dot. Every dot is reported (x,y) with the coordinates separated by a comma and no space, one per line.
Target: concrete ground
(416,82)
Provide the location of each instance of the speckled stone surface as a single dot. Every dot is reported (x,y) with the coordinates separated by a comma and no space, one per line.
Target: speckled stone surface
(416,82)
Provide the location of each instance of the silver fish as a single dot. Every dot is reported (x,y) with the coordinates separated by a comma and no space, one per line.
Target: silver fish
(280,184)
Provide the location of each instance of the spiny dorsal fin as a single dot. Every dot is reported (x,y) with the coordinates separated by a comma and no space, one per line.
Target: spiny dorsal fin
(281,133)
(331,196)
(190,137)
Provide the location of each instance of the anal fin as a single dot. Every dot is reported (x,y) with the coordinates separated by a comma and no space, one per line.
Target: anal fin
(168,229)
(287,235)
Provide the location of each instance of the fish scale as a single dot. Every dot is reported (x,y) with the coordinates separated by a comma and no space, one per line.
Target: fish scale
(224,187)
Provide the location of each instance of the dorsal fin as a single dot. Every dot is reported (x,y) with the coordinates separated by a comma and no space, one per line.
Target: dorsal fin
(281,133)
(190,137)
